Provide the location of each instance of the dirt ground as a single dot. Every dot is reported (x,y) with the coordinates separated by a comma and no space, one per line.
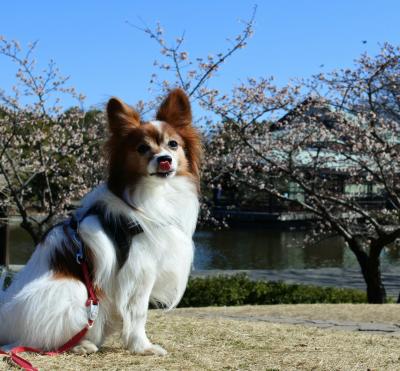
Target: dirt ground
(205,339)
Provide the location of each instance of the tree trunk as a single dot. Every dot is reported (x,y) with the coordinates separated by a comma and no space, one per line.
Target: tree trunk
(371,271)
(34,233)
(376,292)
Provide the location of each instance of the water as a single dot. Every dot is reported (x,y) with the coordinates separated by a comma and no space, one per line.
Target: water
(247,249)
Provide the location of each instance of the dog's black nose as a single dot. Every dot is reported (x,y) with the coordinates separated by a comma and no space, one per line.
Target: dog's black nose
(164,158)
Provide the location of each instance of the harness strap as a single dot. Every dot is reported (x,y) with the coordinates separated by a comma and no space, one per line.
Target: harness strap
(121,232)
(92,298)
(92,303)
(26,365)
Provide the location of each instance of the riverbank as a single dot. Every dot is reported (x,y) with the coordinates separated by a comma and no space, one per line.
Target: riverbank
(250,338)
(330,277)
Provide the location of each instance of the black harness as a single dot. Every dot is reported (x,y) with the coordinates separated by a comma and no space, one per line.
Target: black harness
(119,229)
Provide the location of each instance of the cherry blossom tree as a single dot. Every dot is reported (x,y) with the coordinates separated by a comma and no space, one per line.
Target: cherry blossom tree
(177,68)
(49,157)
(337,141)
(334,138)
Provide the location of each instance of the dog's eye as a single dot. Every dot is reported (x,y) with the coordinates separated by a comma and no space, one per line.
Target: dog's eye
(143,148)
(173,144)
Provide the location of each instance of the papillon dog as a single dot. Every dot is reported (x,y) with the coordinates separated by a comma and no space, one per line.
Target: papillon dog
(136,230)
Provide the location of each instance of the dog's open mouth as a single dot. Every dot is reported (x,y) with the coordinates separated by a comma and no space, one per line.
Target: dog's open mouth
(164,169)
(162,174)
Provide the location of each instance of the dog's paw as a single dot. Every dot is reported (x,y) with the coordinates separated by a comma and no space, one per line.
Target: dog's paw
(150,350)
(85,347)
(154,349)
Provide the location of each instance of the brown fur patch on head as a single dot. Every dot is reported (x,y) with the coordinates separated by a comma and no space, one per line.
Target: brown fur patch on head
(176,111)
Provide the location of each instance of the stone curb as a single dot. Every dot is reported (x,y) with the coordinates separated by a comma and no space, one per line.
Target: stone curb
(366,327)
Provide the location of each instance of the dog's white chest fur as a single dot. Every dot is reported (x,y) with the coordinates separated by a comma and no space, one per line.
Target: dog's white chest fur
(162,255)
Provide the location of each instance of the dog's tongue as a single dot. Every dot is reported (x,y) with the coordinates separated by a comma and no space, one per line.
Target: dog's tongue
(165,165)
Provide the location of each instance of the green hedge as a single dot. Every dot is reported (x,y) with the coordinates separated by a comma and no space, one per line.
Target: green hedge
(240,290)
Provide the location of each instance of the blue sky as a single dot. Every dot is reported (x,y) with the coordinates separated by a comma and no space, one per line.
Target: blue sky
(92,43)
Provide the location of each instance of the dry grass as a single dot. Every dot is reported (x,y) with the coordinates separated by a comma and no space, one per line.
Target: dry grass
(196,343)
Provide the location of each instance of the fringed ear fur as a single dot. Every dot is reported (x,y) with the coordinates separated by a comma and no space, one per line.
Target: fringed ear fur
(175,109)
(120,116)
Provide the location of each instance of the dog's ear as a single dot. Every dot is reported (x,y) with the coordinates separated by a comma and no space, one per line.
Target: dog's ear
(121,117)
(175,109)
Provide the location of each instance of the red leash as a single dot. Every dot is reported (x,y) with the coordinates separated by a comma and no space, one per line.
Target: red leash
(92,303)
